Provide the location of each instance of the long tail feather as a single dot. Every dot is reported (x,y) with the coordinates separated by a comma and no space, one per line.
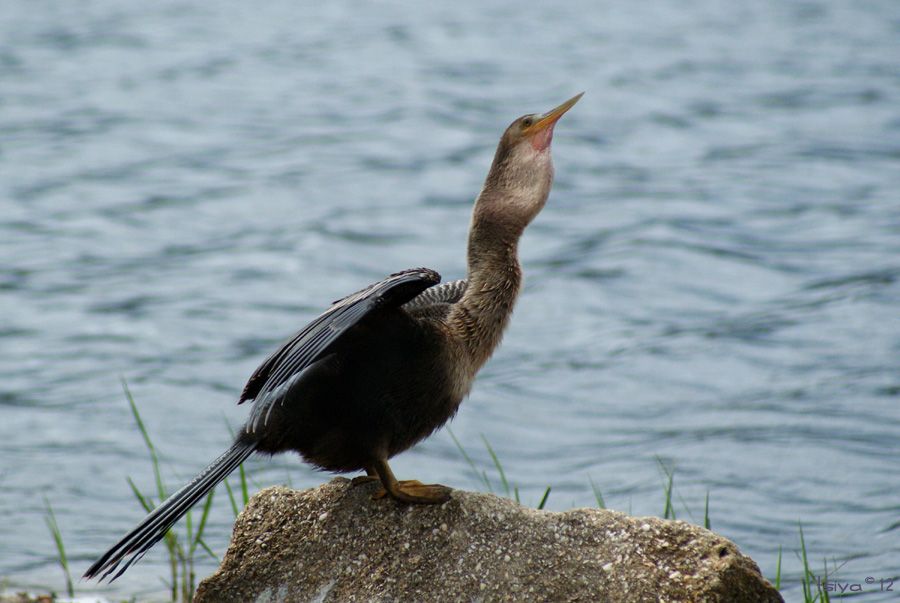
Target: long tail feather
(154,527)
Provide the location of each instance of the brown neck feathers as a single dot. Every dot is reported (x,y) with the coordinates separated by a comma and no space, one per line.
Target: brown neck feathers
(494,279)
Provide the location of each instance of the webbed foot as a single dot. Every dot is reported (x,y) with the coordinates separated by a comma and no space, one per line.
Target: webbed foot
(408,491)
(415,492)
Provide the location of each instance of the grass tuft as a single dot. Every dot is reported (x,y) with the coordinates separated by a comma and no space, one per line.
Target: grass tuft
(182,554)
(669,510)
(598,496)
(812,587)
(53,526)
(778,571)
(706,522)
(544,499)
(499,467)
(480,474)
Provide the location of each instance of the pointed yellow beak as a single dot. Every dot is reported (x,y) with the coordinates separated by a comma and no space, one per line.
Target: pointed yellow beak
(551,117)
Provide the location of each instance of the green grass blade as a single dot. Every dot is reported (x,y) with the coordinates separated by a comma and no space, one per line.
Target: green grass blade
(598,496)
(234,507)
(172,547)
(487,482)
(146,502)
(807,588)
(669,510)
(482,476)
(544,499)
(169,588)
(208,550)
(169,539)
(497,464)
(706,523)
(53,526)
(189,525)
(202,525)
(154,457)
(778,571)
(185,573)
(684,506)
(245,493)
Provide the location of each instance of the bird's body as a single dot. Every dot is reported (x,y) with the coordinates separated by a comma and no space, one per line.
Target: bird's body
(384,367)
(404,386)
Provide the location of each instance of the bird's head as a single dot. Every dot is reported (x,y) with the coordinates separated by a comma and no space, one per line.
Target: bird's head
(522,172)
(536,130)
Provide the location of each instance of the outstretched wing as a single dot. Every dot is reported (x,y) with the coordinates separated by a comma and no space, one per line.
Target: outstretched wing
(274,376)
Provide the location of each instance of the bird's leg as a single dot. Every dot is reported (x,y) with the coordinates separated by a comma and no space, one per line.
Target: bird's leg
(370,476)
(408,491)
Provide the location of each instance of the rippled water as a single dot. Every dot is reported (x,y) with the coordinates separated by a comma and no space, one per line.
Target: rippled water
(714,281)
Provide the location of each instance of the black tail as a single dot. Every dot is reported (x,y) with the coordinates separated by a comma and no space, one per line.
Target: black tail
(154,527)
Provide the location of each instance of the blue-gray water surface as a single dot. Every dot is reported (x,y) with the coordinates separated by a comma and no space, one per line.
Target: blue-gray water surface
(713,285)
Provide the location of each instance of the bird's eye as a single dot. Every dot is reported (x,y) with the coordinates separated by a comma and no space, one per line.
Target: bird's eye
(527,122)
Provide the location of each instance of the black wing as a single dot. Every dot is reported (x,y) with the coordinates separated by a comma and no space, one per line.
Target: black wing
(280,370)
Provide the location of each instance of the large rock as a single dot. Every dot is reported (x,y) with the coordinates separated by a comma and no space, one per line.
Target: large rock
(333,543)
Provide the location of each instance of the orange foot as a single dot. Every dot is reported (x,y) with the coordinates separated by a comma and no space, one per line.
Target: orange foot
(415,492)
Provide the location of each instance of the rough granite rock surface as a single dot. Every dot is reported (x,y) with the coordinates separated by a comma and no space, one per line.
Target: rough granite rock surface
(333,543)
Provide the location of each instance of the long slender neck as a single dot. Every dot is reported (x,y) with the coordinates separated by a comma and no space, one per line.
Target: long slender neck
(514,192)
(494,279)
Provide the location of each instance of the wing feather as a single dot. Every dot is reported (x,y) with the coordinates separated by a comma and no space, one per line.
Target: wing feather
(445,293)
(311,343)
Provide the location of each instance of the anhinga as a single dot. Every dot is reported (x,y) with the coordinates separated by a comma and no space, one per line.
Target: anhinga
(383,368)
